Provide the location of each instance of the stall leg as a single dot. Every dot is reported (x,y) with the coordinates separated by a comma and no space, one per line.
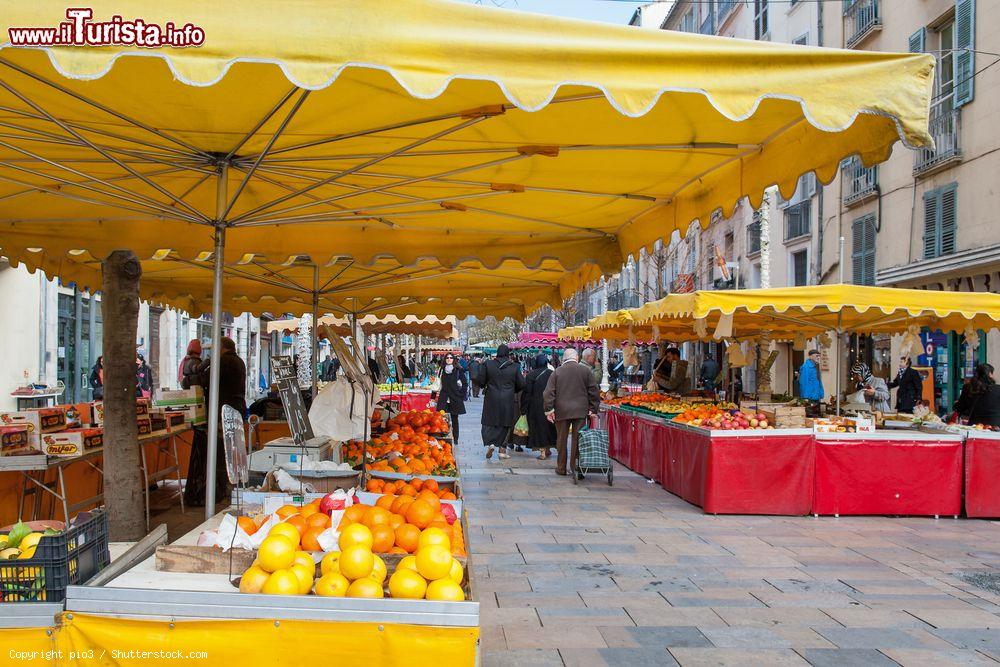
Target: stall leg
(177,463)
(145,479)
(213,381)
(62,493)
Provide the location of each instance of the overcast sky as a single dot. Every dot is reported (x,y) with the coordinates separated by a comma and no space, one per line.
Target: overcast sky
(611,11)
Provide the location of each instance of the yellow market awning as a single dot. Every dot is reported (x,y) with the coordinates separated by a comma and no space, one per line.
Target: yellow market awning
(418,130)
(574,333)
(433,327)
(809,311)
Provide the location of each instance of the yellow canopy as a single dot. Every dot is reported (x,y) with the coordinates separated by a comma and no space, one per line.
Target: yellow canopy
(574,333)
(787,312)
(433,327)
(417,130)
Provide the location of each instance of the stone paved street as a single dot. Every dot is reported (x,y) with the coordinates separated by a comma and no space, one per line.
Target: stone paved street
(632,575)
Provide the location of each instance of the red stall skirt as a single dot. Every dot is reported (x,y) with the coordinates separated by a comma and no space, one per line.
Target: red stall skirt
(982,477)
(888,477)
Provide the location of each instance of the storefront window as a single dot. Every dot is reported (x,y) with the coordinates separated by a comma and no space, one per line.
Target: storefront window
(952,362)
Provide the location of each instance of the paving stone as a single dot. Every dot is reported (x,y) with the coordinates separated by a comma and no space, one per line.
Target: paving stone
(879,638)
(713,599)
(522,658)
(560,583)
(649,615)
(973,638)
(668,636)
(491,638)
(954,618)
(600,616)
(648,584)
(777,617)
(919,658)
(845,657)
(744,637)
(564,636)
(549,547)
(567,599)
(724,657)
(636,657)
(508,616)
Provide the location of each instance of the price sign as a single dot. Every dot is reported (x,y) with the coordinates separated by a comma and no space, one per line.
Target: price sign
(284,375)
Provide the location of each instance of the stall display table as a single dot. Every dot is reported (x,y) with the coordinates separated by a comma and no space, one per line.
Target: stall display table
(887,473)
(982,474)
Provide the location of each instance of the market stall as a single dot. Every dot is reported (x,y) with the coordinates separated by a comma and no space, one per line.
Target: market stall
(868,464)
(982,470)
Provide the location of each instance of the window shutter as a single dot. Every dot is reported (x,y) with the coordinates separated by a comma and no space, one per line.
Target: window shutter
(965,59)
(949,221)
(868,268)
(857,251)
(918,40)
(931,209)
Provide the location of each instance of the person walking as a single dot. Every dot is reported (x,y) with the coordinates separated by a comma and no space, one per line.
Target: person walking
(189,372)
(589,359)
(541,431)
(451,397)
(979,402)
(143,377)
(875,390)
(500,379)
(810,380)
(463,363)
(709,372)
(571,394)
(474,376)
(910,384)
(97,379)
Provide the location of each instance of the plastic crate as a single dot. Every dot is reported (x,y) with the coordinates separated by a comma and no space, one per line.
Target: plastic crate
(70,558)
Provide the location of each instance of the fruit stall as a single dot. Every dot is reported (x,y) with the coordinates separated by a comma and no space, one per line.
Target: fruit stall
(797,457)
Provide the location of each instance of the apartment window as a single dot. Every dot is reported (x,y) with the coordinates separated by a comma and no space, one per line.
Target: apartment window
(730,246)
(725,6)
(863,250)
(800,268)
(860,182)
(708,23)
(760,26)
(753,237)
(687,23)
(797,223)
(861,18)
(940,221)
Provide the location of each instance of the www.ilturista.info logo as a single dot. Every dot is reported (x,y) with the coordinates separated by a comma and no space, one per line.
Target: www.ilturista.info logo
(82,30)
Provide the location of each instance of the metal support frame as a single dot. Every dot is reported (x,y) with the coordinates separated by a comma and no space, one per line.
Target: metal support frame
(315,326)
(221,201)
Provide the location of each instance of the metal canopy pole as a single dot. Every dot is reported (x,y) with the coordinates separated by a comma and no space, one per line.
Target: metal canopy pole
(315,330)
(221,201)
(836,366)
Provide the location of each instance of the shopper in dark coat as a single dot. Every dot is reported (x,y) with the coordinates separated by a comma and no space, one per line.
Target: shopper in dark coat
(143,378)
(571,395)
(189,373)
(979,402)
(541,432)
(911,386)
(474,367)
(97,379)
(451,398)
(501,379)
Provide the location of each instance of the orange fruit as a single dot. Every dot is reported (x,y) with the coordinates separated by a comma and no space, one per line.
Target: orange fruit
(408,537)
(384,537)
(297,521)
(385,502)
(318,520)
(375,516)
(445,589)
(408,490)
(420,514)
(286,511)
(247,524)
(433,562)
(357,562)
(365,588)
(417,483)
(374,485)
(433,535)
(448,495)
(309,542)
(396,520)
(407,585)
(356,535)
(400,504)
(354,513)
(430,485)
(397,550)
(441,523)
(431,498)
(287,531)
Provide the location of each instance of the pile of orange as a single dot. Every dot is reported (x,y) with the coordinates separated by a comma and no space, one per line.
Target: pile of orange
(703,412)
(409,435)
(412,487)
(396,522)
(308,521)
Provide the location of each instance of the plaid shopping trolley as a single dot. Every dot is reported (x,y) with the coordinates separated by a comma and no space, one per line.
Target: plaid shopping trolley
(593,454)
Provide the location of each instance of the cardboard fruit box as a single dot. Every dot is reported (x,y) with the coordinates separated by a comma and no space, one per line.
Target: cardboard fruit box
(14,441)
(72,442)
(42,420)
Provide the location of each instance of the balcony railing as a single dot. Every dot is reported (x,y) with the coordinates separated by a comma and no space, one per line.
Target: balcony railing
(625,298)
(861,183)
(861,17)
(708,25)
(723,7)
(945,126)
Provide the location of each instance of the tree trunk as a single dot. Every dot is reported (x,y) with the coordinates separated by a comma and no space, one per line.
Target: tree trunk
(123,492)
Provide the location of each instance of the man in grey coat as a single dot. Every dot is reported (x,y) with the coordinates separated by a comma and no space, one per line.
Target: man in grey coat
(571,394)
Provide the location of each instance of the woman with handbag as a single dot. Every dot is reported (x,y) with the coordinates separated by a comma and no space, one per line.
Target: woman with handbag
(979,402)
(451,397)
(541,432)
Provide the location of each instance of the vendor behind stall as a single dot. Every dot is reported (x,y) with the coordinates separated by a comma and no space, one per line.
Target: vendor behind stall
(875,390)
(911,386)
(810,380)
(979,402)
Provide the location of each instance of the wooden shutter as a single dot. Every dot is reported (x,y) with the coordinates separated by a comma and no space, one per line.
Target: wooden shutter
(918,40)
(965,59)
(857,251)
(932,210)
(949,218)
(868,259)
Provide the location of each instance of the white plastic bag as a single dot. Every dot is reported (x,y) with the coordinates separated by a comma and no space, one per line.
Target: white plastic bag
(331,413)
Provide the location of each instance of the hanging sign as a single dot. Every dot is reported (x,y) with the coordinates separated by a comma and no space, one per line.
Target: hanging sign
(284,375)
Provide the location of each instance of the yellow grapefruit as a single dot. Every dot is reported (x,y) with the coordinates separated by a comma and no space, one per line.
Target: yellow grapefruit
(379,570)
(354,535)
(330,563)
(407,584)
(253,579)
(356,562)
(332,585)
(305,576)
(281,582)
(407,563)
(275,553)
(304,558)
(434,562)
(285,530)
(365,587)
(431,536)
(456,573)
(445,589)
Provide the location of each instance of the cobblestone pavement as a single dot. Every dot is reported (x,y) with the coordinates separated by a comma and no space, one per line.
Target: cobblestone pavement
(632,575)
